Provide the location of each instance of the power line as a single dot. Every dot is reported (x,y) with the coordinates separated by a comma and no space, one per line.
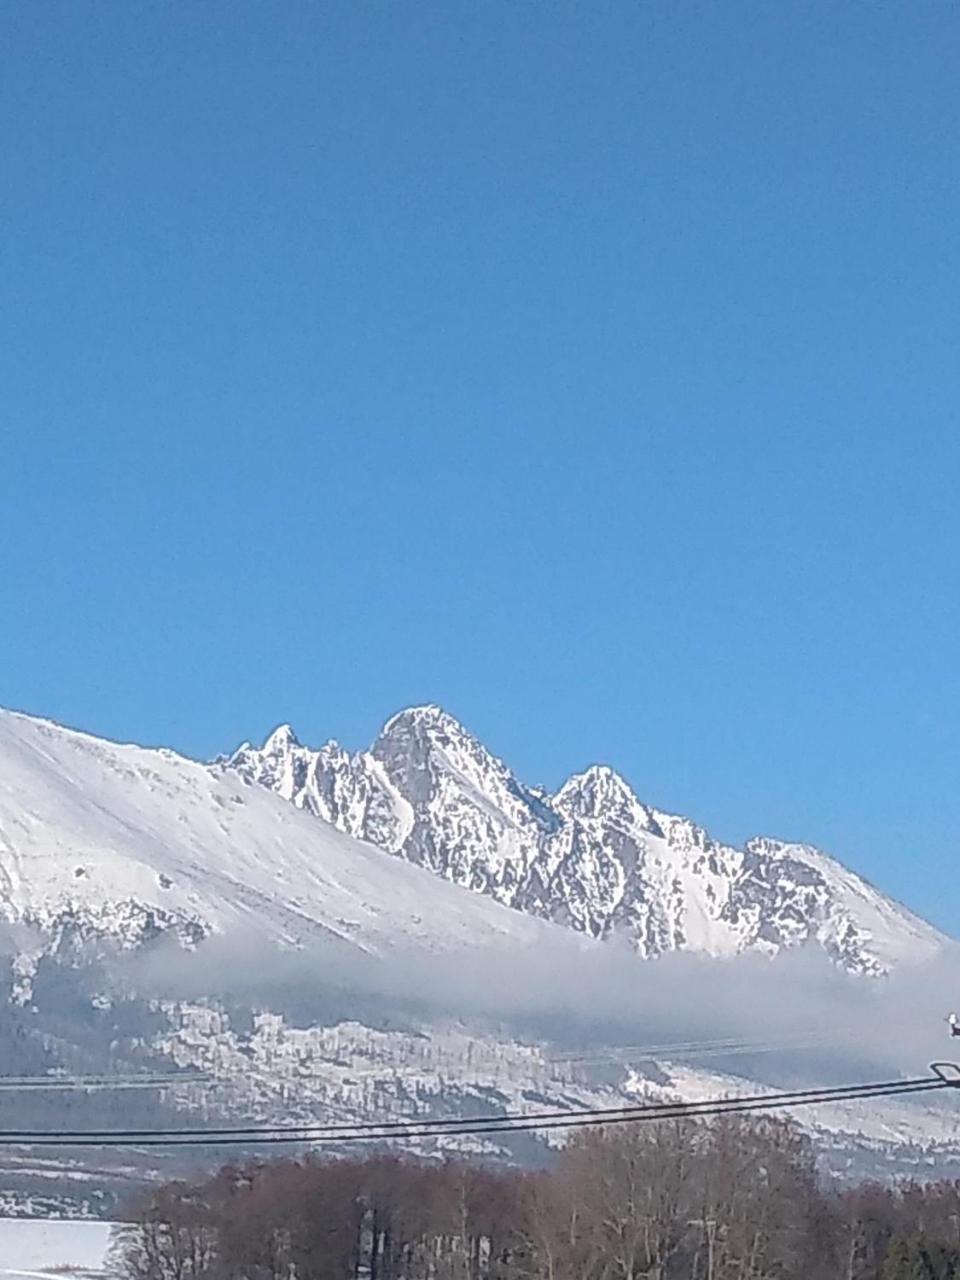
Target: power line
(730,1044)
(825,1094)
(461,1127)
(697,1050)
(26,1084)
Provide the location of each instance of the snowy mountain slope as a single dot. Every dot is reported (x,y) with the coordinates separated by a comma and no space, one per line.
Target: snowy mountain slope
(110,841)
(591,857)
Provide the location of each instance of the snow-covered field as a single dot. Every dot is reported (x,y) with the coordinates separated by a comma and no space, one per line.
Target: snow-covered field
(31,1247)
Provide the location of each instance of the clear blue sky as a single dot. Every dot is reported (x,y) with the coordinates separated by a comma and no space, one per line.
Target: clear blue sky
(589,369)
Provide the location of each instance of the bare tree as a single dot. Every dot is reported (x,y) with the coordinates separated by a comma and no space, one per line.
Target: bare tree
(172,1237)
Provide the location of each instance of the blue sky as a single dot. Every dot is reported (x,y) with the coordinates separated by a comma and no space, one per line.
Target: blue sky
(589,369)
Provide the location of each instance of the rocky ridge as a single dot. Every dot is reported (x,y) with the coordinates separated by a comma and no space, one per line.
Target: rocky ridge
(592,856)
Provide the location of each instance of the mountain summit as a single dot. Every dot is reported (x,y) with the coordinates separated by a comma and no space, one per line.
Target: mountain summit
(592,856)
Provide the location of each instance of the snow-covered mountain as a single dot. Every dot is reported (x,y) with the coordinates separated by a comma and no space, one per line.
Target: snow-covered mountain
(592,856)
(158,913)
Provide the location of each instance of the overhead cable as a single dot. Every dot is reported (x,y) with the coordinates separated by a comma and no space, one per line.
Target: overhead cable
(517,1122)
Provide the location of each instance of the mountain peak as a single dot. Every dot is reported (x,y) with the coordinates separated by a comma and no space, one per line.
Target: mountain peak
(597,792)
(599,775)
(428,716)
(282,739)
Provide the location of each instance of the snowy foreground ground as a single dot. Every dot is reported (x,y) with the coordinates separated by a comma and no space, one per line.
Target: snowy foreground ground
(31,1248)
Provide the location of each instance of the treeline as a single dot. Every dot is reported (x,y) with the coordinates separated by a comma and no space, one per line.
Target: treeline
(677,1200)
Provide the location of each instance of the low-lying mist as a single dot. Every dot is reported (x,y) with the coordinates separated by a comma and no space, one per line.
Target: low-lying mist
(794,1016)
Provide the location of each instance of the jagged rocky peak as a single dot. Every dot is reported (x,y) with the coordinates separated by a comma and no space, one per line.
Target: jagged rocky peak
(437,763)
(281,763)
(281,740)
(420,736)
(603,794)
(428,719)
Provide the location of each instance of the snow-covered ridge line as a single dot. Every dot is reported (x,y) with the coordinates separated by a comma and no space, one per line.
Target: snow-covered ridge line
(592,856)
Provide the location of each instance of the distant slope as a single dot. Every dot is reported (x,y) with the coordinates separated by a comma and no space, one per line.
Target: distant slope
(592,857)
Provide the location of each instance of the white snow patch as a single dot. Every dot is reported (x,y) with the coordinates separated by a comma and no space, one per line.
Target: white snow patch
(32,1246)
